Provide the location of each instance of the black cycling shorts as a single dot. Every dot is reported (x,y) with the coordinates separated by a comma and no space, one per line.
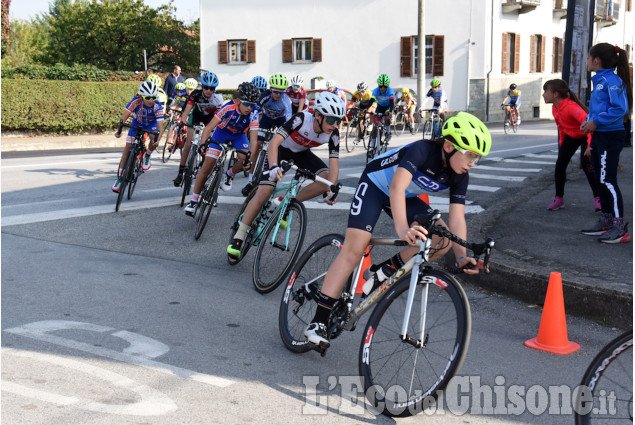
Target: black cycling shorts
(197,118)
(305,159)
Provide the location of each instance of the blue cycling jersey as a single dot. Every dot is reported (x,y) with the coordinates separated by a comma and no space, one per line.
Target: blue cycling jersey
(439,97)
(424,160)
(609,101)
(144,115)
(383,99)
(275,108)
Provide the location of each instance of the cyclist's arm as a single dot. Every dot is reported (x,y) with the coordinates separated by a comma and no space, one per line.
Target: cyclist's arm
(400,181)
(186,113)
(301,105)
(506,100)
(272,152)
(457,225)
(209,128)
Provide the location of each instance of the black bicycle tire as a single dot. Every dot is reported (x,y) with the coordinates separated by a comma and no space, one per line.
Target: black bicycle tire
(169,147)
(247,242)
(262,286)
(595,372)
(350,146)
(427,129)
(135,172)
(400,120)
(294,339)
(187,174)
(365,135)
(416,124)
(456,349)
(124,180)
(206,201)
(260,164)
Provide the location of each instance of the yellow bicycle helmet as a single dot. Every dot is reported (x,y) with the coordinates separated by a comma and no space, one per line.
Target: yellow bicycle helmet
(278,82)
(465,131)
(405,90)
(155,79)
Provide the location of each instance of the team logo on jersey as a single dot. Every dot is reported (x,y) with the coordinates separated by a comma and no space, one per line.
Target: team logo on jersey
(392,158)
(296,122)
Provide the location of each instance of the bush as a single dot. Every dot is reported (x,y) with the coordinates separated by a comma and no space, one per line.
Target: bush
(68,73)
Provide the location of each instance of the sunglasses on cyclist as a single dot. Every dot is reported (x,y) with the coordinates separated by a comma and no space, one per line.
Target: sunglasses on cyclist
(471,157)
(296,86)
(383,87)
(277,91)
(247,104)
(208,87)
(149,98)
(333,120)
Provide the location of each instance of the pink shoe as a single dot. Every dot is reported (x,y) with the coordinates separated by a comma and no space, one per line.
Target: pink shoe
(557,203)
(598,204)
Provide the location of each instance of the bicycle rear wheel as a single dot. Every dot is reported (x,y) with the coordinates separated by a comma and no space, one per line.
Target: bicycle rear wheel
(279,247)
(399,375)
(297,306)
(609,380)
(351,134)
(127,171)
(207,200)
(400,123)
(187,176)
(247,242)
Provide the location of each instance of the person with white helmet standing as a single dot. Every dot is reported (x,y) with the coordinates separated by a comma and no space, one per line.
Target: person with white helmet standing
(297,94)
(293,141)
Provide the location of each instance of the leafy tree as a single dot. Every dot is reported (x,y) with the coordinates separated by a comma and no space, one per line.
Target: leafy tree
(28,39)
(6,29)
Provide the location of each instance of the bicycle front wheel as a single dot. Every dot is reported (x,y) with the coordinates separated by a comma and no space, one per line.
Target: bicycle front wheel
(298,306)
(134,175)
(187,177)
(279,247)
(351,134)
(206,202)
(127,172)
(400,375)
(400,123)
(609,380)
(168,146)
(427,130)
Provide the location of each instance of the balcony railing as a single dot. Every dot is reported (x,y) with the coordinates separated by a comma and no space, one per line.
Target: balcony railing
(607,12)
(521,6)
(560,9)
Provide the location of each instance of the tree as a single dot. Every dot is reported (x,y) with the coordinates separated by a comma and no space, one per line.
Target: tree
(6,28)
(28,39)
(112,34)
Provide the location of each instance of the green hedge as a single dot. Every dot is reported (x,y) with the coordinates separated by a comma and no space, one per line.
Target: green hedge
(68,73)
(66,107)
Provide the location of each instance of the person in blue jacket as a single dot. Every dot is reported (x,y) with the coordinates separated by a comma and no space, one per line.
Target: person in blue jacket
(611,99)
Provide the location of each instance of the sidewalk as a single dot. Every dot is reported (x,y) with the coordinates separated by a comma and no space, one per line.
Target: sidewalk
(12,143)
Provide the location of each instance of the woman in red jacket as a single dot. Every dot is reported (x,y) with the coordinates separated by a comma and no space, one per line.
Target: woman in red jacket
(569,114)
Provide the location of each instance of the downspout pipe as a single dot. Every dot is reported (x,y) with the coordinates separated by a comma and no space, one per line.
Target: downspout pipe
(491,61)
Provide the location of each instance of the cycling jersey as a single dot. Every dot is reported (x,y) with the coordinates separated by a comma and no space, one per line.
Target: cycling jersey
(439,98)
(296,97)
(144,115)
(514,97)
(365,101)
(408,99)
(424,160)
(202,105)
(338,91)
(275,108)
(180,98)
(233,121)
(299,135)
(609,101)
(163,98)
(385,99)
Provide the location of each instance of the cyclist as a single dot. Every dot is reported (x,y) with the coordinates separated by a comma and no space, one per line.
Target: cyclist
(294,140)
(365,101)
(203,103)
(297,94)
(439,97)
(231,123)
(275,109)
(385,96)
(162,97)
(392,182)
(260,82)
(513,97)
(146,112)
(409,102)
(179,97)
(330,86)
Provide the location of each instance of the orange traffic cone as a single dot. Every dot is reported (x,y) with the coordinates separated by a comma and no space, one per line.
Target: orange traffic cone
(552,334)
(365,264)
(424,197)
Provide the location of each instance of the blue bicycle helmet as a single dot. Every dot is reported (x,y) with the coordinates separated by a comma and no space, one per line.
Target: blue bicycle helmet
(209,79)
(260,82)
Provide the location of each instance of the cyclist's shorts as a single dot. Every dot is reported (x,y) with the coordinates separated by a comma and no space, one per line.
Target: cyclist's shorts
(381,109)
(197,118)
(369,201)
(132,132)
(305,159)
(266,123)
(238,140)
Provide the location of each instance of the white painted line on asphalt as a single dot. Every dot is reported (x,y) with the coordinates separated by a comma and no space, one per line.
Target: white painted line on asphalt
(541,156)
(522,170)
(479,188)
(55,164)
(520,149)
(495,177)
(523,161)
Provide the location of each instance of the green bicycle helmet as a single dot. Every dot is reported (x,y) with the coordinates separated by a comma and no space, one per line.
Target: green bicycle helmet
(383,80)
(465,131)
(155,79)
(278,82)
(179,86)
(435,83)
(191,84)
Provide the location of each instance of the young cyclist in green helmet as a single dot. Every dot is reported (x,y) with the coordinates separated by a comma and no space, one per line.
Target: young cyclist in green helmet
(385,96)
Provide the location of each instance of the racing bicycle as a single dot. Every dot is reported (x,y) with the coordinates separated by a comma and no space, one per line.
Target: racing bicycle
(358,130)
(432,125)
(194,161)
(377,143)
(402,121)
(175,138)
(512,119)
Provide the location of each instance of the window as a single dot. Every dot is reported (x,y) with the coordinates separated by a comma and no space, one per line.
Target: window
(556,56)
(434,55)
(510,58)
(237,51)
(302,50)
(537,54)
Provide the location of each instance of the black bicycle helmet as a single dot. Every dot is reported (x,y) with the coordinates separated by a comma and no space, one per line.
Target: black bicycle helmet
(513,87)
(248,92)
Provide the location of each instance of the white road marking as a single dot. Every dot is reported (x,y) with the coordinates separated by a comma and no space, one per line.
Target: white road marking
(520,149)
(523,161)
(56,164)
(479,188)
(495,177)
(544,156)
(512,170)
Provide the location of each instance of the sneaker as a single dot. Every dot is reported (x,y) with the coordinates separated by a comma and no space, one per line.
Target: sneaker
(617,233)
(602,226)
(518,121)
(226,185)
(234,248)
(316,334)
(557,203)
(247,189)
(190,208)
(146,164)
(178,180)
(117,186)
(598,204)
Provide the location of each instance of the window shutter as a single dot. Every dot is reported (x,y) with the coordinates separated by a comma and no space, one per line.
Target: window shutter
(406,56)
(438,44)
(504,69)
(532,53)
(317,50)
(542,53)
(560,42)
(251,51)
(554,51)
(222,51)
(516,53)
(287,51)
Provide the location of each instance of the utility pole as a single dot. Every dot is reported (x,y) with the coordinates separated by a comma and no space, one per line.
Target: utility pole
(421,53)
(578,39)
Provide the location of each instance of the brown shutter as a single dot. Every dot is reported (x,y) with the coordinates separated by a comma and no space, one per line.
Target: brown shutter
(553,54)
(516,53)
(542,53)
(317,50)
(222,51)
(406,56)
(287,51)
(438,44)
(532,53)
(251,51)
(504,69)
(560,53)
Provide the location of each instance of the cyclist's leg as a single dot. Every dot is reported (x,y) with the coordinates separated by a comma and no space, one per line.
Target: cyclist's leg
(213,152)
(310,161)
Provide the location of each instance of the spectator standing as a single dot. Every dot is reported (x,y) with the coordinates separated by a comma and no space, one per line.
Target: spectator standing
(171,81)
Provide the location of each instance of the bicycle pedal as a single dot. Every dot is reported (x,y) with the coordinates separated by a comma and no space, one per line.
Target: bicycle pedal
(320,349)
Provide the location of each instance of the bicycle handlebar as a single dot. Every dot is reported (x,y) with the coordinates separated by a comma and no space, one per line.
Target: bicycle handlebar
(135,127)
(334,188)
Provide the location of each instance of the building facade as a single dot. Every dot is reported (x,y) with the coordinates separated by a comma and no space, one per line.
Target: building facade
(475,47)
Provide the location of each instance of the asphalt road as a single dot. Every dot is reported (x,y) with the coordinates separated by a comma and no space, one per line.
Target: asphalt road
(125,318)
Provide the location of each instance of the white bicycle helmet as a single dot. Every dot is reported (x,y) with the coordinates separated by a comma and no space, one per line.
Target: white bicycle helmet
(330,105)
(330,84)
(297,80)
(362,86)
(148,88)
